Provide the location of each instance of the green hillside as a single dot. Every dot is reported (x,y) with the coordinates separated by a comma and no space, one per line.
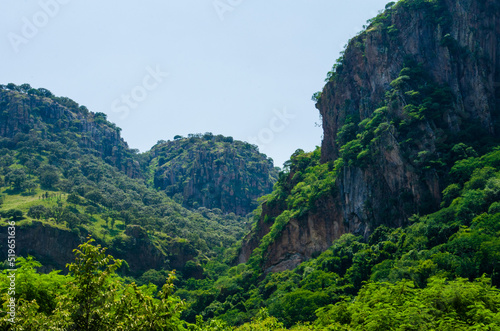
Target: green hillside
(54,173)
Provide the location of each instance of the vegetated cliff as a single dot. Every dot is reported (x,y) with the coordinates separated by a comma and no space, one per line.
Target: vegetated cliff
(213,172)
(36,114)
(418,89)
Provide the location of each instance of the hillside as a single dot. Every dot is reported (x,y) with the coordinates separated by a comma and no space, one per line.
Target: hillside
(33,117)
(67,173)
(393,222)
(213,172)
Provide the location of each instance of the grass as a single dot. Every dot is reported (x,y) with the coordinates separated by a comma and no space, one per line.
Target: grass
(23,202)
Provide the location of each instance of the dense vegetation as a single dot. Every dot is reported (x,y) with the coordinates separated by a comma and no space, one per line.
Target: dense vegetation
(439,272)
(443,269)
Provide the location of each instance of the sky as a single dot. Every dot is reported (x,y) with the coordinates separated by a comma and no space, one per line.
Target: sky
(160,68)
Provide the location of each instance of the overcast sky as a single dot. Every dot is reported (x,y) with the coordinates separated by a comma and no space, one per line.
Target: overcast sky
(159,68)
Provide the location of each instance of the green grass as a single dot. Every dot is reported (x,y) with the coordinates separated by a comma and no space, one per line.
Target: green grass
(98,228)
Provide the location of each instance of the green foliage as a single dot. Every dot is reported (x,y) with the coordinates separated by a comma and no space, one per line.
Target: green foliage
(91,297)
(442,305)
(12,214)
(316,96)
(66,177)
(430,272)
(262,322)
(90,290)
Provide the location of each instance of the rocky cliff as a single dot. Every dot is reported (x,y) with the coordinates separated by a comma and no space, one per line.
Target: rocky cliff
(412,93)
(212,172)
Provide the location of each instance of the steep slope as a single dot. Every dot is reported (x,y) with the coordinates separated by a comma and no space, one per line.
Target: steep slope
(213,172)
(413,93)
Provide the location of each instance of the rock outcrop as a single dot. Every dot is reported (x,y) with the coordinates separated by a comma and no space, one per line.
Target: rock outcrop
(53,247)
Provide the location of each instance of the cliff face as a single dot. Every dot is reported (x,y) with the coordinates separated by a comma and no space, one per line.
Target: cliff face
(63,121)
(422,78)
(462,54)
(213,172)
(54,248)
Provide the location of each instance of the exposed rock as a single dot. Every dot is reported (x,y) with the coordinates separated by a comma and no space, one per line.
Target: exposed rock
(54,248)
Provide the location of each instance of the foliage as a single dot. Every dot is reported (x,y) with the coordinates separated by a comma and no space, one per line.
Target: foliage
(397,276)
(91,297)
(442,305)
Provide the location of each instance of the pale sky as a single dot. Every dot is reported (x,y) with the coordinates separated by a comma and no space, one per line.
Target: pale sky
(240,68)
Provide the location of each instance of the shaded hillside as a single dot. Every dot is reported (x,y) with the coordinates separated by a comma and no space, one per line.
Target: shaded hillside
(213,172)
(414,92)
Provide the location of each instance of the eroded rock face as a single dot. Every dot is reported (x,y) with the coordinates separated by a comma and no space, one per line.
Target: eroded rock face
(459,48)
(469,65)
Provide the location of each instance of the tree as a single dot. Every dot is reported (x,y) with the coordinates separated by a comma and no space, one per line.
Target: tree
(25,88)
(98,300)
(45,93)
(12,87)
(30,186)
(91,291)
(94,196)
(74,198)
(13,214)
(49,177)
(16,178)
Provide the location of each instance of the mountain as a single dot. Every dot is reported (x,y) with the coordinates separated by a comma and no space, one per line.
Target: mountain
(393,222)
(69,174)
(414,92)
(213,172)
